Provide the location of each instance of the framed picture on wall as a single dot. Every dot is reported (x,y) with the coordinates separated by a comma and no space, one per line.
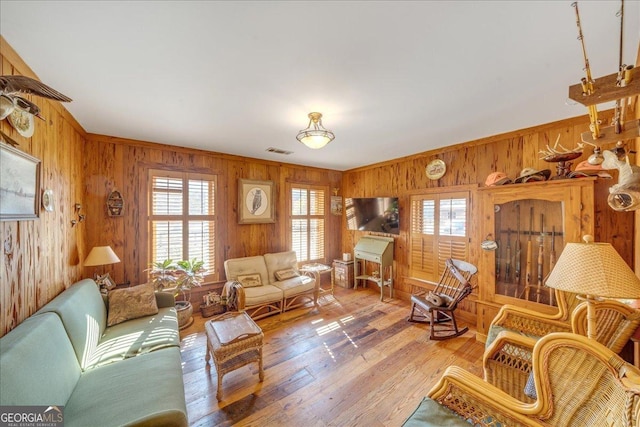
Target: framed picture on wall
(19,184)
(256,204)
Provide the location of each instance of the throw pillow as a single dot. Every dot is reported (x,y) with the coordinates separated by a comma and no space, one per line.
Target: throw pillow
(131,303)
(249,280)
(287,273)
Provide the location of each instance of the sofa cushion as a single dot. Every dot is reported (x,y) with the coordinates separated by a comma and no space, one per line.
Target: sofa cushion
(262,295)
(247,265)
(145,390)
(296,285)
(38,365)
(287,273)
(137,336)
(280,261)
(431,414)
(249,280)
(84,326)
(131,303)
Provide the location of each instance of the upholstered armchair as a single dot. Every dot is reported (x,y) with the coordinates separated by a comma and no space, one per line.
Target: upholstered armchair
(579,382)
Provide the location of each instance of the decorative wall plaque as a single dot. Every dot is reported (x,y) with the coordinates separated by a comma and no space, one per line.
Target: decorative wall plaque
(115,204)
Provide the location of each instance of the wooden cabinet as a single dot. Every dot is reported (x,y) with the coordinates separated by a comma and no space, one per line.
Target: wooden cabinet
(531,223)
(343,273)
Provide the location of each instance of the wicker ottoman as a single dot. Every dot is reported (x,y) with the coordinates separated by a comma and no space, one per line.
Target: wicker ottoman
(234,340)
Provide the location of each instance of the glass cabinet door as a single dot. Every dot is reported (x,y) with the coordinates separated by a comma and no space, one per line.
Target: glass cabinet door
(529,235)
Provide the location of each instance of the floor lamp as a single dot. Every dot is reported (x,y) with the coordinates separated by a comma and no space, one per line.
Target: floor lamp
(594,270)
(101,256)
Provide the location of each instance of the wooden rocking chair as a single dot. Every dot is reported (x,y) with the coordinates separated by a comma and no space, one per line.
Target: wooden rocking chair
(438,306)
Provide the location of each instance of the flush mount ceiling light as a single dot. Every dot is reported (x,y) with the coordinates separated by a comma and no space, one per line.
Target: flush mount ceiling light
(315,135)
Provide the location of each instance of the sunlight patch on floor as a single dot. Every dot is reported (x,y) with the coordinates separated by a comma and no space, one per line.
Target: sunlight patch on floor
(328,328)
(349,338)
(329,352)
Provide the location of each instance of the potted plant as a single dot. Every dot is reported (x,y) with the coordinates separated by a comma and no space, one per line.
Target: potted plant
(179,278)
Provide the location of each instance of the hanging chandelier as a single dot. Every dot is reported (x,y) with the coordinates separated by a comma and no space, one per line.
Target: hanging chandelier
(315,135)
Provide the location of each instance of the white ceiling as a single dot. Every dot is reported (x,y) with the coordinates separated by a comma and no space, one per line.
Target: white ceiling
(392,78)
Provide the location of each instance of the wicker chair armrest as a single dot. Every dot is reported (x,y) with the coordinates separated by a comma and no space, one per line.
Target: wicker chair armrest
(478,402)
(507,364)
(528,322)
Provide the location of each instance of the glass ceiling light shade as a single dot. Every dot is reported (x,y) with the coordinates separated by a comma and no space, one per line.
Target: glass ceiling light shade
(101,255)
(594,270)
(315,135)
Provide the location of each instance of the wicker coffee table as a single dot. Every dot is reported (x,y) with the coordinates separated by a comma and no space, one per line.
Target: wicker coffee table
(234,340)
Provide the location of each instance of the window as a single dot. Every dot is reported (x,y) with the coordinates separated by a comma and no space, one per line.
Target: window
(307,222)
(438,231)
(182,220)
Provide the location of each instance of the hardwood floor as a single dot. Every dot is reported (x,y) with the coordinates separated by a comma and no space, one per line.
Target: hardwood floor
(354,361)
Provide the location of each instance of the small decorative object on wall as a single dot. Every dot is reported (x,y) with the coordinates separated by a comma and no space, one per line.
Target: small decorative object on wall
(336,202)
(10,101)
(255,202)
(22,122)
(19,184)
(81,217)
(336,205)
(436,169)
(47,200)
(115,204)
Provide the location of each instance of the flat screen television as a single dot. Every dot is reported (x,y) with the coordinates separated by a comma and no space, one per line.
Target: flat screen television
(377,214)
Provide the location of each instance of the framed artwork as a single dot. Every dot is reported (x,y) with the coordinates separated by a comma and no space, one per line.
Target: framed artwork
(19,184)
(336,205)
(256,203)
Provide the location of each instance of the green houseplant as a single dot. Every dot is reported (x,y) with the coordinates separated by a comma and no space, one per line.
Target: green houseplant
(178,277)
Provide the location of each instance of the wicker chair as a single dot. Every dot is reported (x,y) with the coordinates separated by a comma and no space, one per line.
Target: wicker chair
(438,307)
(579,383)
(507,358)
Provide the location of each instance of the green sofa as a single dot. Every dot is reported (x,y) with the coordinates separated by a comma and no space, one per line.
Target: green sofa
(66,355)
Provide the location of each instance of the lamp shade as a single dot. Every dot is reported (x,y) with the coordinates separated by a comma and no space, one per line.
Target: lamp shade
(594,269)
(101,255)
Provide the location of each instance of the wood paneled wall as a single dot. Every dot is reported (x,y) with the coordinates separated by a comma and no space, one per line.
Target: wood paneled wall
(47,253)
(41,257)
(468,164)
(116,163)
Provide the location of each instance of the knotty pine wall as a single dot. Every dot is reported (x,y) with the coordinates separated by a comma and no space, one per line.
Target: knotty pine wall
(116,163)
(468,164)
(41,257)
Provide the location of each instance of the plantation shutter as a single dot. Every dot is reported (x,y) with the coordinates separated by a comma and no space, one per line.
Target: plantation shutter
(308,207)
(182,218)
(438,231)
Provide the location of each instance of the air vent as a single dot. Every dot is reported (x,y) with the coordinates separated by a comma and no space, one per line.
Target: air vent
(279,151)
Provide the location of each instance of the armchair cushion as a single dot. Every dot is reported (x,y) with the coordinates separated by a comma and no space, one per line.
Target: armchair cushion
(131,303)
(258,295)
(296,285)
(280,261)
(248,265)
(431,414)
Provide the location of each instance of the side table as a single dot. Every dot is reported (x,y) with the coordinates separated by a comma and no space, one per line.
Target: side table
(234,340)
(318,269)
